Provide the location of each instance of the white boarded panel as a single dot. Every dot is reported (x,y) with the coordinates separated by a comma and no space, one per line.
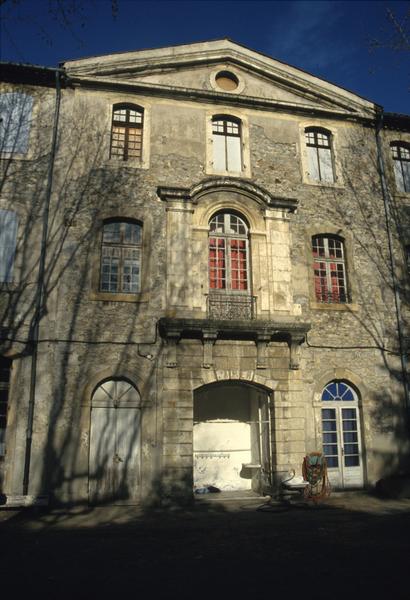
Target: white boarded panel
(313,167)
(128,452)
(233,152)
(102,473)
(399,175)
(326,167)
(219,163)
(406,176)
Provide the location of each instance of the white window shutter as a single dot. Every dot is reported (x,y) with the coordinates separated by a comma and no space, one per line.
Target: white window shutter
(15,121)
(326,166)
(233,151)
(8,237)
(219,153)
(313,167)
(406,176)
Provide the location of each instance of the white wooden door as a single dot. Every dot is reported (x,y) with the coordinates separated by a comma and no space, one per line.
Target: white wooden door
(114,470)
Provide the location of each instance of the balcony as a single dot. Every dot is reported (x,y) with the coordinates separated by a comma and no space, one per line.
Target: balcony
(231,307)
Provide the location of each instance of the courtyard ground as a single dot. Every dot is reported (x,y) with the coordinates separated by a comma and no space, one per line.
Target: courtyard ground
(353,545)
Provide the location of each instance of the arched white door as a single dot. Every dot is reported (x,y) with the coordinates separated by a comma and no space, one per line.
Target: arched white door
(114,468)
(341,435)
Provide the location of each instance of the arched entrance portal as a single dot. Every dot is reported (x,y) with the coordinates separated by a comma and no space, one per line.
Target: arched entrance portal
(232,437)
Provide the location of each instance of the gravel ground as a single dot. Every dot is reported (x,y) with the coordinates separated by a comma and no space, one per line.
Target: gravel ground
(353,544)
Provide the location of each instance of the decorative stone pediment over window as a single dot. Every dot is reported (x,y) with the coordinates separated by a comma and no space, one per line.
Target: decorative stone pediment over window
(228,184)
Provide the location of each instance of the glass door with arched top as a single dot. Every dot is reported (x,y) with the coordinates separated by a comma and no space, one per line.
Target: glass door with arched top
(341,435)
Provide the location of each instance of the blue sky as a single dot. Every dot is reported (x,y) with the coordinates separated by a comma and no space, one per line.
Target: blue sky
(330,39)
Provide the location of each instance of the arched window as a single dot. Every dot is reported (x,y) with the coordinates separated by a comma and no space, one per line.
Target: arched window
(329,269)
(127,132)
(115,393)
(228,253)
(341,433)
(120,270)
(401,164)
(227,145)
(319,154)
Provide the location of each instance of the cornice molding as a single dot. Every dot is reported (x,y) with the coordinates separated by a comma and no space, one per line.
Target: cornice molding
(217,97)
(227,184)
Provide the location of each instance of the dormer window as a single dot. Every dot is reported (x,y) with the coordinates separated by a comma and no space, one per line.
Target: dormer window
(227,145)
(319,155)
(127,132)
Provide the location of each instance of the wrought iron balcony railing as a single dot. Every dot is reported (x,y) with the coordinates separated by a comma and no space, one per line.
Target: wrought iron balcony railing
(231,306)
(328,297)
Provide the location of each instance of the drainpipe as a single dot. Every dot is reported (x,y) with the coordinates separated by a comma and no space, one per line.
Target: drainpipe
(397,301)
(40,292)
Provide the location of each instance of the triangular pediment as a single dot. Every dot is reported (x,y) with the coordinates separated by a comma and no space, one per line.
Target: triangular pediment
(195,67)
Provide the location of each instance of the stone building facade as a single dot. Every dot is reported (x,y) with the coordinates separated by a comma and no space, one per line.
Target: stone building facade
(204,272)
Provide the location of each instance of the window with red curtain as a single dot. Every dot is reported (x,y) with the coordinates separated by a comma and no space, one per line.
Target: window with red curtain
(329,269)
(228,253)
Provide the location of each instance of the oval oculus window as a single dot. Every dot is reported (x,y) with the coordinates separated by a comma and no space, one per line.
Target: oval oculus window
(227,81)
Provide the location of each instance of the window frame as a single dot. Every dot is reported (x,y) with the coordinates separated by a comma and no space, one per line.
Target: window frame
(317,146)
(228,269)
(10,235)
(339,395)
(342,298)
(121,246)
(403,185)
(128,126)
(242,121)
(227,122)
(25,108)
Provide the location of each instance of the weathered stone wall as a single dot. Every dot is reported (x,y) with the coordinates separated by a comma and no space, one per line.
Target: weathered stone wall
(85,338)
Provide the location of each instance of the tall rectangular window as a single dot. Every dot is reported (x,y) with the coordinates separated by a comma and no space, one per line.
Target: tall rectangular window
(127,132)
(228,253)
(329,270)
(319,155)
(121,258)
(227,145)
(8,240)
(15,121)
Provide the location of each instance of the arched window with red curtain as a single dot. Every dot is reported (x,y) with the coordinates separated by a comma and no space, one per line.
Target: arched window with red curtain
(329,269)
(228,253)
